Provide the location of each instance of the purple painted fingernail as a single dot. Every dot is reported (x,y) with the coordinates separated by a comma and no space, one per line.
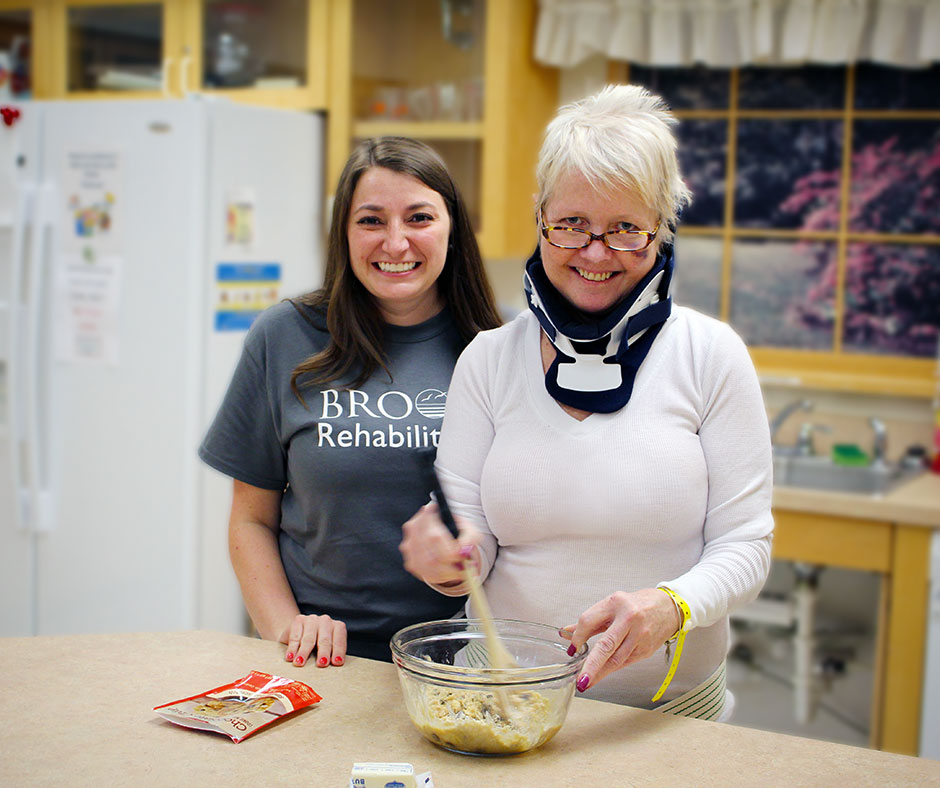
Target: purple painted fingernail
(571,650)
(466,551)
(583,682)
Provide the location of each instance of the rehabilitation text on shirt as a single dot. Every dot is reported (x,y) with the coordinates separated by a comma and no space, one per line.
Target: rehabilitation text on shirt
(368,430)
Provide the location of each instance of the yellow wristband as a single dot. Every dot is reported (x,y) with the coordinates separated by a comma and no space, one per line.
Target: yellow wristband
(685,624)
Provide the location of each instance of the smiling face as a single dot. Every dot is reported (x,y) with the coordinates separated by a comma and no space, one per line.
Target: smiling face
(595,278)
(397,233)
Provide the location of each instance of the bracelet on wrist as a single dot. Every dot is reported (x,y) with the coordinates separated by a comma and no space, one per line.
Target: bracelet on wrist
(685,624)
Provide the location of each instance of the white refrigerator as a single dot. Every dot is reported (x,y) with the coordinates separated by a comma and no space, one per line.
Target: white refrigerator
(138,239)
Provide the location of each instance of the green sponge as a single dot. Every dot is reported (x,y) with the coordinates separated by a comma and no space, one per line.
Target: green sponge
(848,454)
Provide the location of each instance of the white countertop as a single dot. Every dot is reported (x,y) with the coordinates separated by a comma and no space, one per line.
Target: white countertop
(79,714)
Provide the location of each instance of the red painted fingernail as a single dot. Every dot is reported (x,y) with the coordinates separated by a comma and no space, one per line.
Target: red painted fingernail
(322,662)
(571,650)
(337,660)
(466,551)
(583,682)
(289,656)
(299,661)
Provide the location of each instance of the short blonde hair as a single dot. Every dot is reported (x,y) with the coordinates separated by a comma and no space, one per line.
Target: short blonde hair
(620,137)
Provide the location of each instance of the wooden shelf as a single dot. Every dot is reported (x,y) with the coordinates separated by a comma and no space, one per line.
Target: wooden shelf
(427,130)
(299,97)
(864,374)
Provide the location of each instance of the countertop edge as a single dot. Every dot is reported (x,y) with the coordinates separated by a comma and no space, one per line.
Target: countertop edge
(915,503)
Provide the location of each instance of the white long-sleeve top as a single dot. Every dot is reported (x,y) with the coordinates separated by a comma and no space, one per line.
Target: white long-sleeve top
(674,488)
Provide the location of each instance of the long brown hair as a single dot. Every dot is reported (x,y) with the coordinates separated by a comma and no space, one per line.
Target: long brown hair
(352,316)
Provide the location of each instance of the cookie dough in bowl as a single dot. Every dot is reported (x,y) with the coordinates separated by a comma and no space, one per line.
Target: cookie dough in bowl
(456,701)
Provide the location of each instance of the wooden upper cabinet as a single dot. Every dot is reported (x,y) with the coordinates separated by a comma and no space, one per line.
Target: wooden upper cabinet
(270,52)
(459,75)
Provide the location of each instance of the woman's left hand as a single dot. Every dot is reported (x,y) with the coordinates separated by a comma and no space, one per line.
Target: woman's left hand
(634,626)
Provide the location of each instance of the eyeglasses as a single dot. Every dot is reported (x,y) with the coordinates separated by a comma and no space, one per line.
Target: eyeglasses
(618,240)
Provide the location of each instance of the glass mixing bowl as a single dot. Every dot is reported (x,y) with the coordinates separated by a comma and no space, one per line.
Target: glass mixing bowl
(461,705)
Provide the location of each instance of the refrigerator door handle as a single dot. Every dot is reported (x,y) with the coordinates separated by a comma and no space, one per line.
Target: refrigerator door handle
(39,293)
(22,219)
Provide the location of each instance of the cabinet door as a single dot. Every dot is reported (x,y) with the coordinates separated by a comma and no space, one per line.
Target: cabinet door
(18,59)
(269,52)
(116,49)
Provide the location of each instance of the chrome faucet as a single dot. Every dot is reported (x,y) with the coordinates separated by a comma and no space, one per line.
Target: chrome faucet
(784,413)
(804,444)
(880,445)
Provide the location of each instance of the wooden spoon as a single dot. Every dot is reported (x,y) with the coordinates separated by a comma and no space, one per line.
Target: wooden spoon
(498,655)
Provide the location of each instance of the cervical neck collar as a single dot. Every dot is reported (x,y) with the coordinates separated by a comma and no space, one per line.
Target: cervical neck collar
(597,356)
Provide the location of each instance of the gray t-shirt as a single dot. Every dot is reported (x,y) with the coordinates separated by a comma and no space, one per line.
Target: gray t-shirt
(347,463)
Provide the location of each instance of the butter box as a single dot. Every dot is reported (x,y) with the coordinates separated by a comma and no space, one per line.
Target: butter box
(382,775)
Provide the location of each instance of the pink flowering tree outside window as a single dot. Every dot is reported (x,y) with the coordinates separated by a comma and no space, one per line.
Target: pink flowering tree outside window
(892,290)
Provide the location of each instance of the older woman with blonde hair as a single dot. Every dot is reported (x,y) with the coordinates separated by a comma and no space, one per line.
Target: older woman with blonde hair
(607,452)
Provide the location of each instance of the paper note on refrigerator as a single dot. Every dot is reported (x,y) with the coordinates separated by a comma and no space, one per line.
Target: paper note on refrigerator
(240,231)
(92,183)
(87,295)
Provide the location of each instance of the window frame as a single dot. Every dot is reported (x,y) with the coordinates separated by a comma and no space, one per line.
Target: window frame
(834,369)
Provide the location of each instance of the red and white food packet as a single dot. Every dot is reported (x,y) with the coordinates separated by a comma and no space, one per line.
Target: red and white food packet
(242,707)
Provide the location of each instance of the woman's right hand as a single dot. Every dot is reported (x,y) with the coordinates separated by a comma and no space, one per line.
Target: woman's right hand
(430,552)
(322,633)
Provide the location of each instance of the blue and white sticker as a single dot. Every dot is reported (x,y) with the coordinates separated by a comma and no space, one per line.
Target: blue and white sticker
(243,291)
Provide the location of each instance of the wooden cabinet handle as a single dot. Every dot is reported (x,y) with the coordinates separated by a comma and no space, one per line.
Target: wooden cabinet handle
(165,77)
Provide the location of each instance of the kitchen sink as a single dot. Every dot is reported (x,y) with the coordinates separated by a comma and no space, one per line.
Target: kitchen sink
(821,473)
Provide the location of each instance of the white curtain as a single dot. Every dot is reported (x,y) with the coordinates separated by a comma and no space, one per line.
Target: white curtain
(723,33)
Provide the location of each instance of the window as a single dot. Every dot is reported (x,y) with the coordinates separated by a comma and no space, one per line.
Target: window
(815,226)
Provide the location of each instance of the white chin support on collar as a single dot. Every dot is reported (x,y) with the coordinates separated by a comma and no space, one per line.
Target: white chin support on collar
(594,371)
(597,359)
